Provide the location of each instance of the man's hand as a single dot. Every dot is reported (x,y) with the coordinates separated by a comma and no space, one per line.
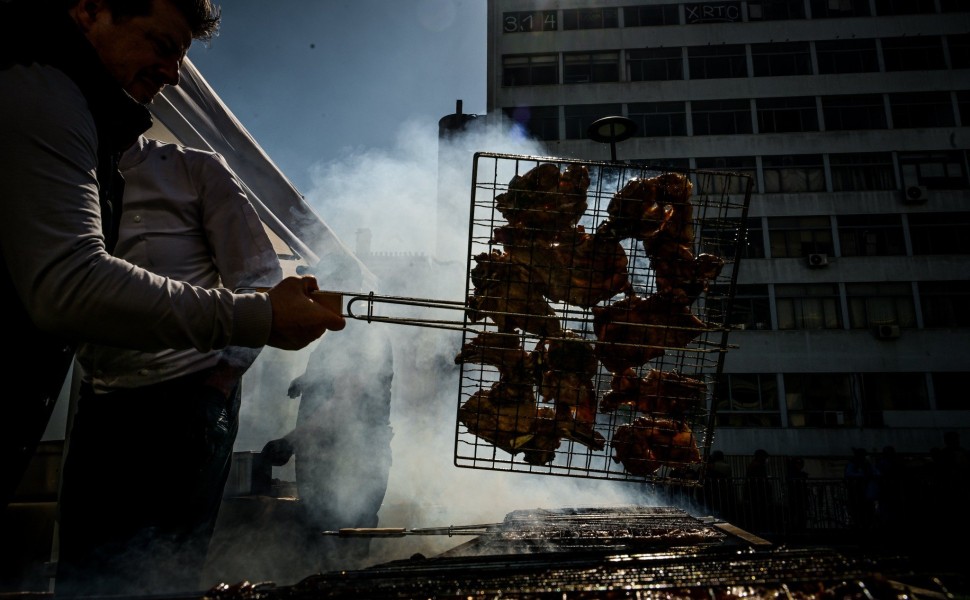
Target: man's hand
(297,319)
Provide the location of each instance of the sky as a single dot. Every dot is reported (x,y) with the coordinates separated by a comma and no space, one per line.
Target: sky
(315,81)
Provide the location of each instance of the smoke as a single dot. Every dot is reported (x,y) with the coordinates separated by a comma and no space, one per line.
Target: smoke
(414,202)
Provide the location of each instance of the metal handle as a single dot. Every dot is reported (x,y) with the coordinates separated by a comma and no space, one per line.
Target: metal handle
(371,299)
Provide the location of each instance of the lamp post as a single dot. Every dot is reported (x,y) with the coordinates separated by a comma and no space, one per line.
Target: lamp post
(611,130)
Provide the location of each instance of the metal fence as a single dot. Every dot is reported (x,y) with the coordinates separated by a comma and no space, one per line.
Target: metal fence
(799,509)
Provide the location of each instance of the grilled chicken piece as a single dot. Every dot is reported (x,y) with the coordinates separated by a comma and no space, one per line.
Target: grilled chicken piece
(506,292)
(545,199)
(508,426)
(647,444)
(516,367)
(640,209)
(663,392)
(634,330)
(682,277)
(589,268)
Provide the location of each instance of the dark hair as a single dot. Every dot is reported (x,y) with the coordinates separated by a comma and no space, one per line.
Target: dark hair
(202,15)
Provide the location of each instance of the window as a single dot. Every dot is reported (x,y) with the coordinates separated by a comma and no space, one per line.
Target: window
(590,67)
(518,22)
(721,117)
(579,117)
(539,122)
(659,119)
(819,400)
(777,59)
(808,306)
(939,233)
(777,115)
(530,69)
(589,18)
(950,390)
(919,53)
(894,391)
(904,7)
(945,303)
(862,111)
(747,400)
(654,64)
(875,304)
(847,56)
(792,237)
(871,235)
(862,171)
(959,50)
(825,9)
(921,109)
(775,10)
(645,16)
(712,12)
(717,62)
(677,165)
(716,183)
(793,174)
(750,309)
(963,106)
(935,170)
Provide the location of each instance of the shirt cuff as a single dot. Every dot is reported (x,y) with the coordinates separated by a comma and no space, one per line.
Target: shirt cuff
(252,316)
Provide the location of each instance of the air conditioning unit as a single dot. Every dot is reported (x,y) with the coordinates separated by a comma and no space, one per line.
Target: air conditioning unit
(818,260)
(887,332)
(915,194)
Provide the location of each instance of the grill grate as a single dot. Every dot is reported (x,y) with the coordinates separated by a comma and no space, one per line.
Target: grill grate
(598,296)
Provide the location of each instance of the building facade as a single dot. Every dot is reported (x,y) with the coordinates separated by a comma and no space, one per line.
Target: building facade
(852,312)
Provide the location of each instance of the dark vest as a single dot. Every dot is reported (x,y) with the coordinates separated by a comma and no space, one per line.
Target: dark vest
(33,31)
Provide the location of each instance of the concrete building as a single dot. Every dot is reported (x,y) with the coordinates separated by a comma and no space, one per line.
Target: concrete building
(853,117)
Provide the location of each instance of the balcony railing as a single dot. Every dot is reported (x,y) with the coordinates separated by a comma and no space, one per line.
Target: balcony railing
(822,509)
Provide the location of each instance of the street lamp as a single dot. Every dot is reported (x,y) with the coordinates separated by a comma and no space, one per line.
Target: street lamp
(611,129)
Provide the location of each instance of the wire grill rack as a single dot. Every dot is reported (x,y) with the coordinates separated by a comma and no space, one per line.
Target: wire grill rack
(596,320)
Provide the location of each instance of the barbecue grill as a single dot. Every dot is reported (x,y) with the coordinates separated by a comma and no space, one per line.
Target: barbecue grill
(627,552)
(558,274)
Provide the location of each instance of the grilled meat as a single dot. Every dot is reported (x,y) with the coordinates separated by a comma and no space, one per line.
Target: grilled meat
(516,367)
(634,330)
(647,444)
(507,426)
(505,292)
(660,392)
(545,199)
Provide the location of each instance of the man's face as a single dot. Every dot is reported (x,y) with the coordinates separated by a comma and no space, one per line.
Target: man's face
(143,53)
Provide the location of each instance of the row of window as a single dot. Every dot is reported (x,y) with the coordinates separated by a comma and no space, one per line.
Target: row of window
(816,173)
(878,306)
(790,114)
(712,12)
(832,399)
(770,59)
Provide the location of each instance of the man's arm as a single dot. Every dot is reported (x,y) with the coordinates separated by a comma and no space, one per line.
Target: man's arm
(53,246)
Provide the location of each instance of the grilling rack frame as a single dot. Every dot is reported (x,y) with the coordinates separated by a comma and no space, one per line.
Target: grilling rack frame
(715,340)
(708,349)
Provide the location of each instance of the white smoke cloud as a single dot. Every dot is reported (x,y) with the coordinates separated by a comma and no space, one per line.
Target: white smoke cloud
(414,203)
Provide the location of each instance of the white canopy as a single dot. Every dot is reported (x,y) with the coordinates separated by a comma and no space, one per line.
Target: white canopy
(192,114)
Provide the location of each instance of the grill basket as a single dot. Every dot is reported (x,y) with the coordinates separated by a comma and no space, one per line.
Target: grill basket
(598,296)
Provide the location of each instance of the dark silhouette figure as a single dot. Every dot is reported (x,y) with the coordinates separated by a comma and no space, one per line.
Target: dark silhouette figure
(719,492)
(889,502)
(860,488)
(796,489)
(757,492)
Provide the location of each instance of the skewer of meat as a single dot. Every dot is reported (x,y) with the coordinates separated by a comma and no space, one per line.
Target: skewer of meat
(660,392)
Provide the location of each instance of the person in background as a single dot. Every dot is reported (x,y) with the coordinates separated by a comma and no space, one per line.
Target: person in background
(757,492)
(719,487)
(796,490)
(342,441)
(164,422)
(860,486)
(75,79)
